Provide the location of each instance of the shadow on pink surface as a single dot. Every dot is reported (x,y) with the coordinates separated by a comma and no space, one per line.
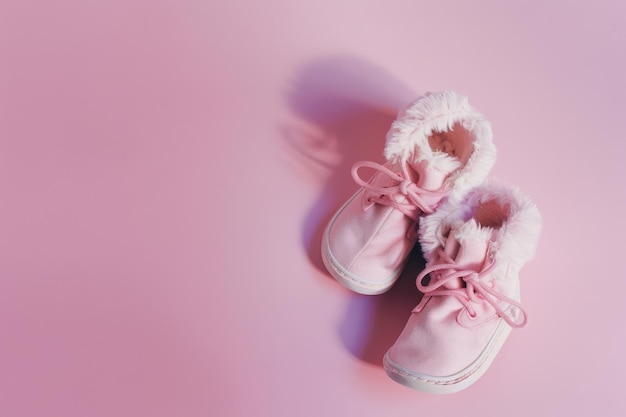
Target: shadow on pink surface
(373,323)
(352,104)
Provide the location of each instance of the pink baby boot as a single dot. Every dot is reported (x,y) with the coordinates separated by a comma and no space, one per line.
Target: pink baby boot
(437,146)
(475,247)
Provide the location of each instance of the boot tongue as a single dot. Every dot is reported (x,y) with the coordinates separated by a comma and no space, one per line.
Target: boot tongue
(432,172)
(428,176)
(468,246)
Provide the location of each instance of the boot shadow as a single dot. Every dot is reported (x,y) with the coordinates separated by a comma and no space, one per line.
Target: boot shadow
(350,105)
(373,323)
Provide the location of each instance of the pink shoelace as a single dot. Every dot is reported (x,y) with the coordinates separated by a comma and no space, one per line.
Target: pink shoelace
(476,290)
(406,187)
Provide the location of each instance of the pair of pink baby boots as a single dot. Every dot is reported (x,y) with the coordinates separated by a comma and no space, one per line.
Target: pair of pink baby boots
(475,235)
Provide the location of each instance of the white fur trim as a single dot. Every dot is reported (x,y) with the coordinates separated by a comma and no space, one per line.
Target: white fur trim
(514,242)
(442,162)
(439,112)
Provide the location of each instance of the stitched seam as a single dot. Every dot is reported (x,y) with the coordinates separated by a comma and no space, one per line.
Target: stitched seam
(460,378)
(380,226)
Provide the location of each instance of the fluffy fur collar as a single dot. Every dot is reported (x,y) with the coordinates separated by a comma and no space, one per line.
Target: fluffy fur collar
(514,241)
(439,112)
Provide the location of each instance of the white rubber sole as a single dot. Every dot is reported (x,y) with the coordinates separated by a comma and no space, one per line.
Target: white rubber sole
(345,277)
(452,383)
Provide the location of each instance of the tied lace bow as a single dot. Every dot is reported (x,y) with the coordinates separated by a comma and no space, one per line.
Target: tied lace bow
(406,187)
(476,290)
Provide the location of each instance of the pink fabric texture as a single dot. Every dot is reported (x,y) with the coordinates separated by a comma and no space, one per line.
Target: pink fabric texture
(406,197)
(368,240)
(471,289)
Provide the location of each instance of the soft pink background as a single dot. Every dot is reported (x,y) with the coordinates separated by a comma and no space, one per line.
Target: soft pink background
(166,167)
